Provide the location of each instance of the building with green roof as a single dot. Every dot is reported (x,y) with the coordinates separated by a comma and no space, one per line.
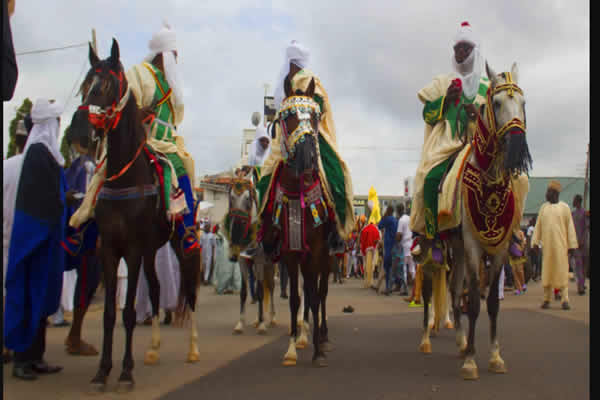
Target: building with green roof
(537,193)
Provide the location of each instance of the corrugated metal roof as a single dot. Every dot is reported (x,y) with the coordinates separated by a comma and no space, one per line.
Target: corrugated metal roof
(538,186)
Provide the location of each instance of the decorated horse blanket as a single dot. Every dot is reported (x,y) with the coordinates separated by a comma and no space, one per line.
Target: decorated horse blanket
(292,211)
(494,206)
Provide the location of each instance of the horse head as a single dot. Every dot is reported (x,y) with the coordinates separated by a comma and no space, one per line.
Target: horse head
(299,117)
(239,221)
(105,91)
(506,121)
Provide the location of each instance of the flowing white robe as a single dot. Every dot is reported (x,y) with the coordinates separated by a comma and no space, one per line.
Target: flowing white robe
(555,228)
(11,172)
(167,271)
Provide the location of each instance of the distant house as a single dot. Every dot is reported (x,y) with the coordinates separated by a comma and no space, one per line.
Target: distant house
(537,193)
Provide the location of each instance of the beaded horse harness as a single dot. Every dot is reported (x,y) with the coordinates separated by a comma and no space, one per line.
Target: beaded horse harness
(289,206)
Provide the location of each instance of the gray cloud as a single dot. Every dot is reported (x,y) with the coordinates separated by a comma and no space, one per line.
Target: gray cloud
(372,57)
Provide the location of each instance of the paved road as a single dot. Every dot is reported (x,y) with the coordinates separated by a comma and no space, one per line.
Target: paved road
(546,352)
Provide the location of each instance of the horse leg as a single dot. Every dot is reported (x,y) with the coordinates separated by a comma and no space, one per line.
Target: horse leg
(239,328)
(290,357)
(190,278)
(152,356)
(133,270)
(262,328)
(456,289)
(302,341)
(326,345)
(270,279)
(110,263)
(319,358)
(426,292)
(473,256)
(496,363)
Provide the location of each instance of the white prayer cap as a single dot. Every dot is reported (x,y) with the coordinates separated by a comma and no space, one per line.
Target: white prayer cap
(465,34)
(297,54)
(45,129)
(162,41)
(44,109)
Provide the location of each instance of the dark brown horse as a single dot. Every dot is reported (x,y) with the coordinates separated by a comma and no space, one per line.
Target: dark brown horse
(296,184)
(132,226)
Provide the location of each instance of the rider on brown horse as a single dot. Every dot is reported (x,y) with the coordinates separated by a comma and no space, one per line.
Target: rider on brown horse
(158,93)
(333,171)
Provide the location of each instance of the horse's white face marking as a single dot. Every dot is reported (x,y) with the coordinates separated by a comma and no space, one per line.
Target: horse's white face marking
(505,106)
(92,86)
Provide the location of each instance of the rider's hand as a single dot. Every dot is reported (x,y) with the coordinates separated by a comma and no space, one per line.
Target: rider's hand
(472,111)
(453,93)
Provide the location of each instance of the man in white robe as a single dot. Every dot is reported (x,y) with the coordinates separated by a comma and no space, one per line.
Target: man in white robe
(555,228)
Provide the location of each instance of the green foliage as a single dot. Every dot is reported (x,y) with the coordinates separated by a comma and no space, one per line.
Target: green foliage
(12,129)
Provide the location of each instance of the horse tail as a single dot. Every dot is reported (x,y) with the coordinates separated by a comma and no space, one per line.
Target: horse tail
(440,295)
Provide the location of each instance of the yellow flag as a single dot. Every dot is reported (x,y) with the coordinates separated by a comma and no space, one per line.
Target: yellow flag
(375,213)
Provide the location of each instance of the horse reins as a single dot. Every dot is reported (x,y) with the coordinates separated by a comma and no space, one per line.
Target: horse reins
(107,119)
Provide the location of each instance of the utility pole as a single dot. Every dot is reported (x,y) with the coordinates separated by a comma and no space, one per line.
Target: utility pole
(94,40)
(587,175)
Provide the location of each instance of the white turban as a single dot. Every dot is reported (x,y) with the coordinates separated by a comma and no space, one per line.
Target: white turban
(257,154)
(45,128)
(164,42)
(296,54)
(471,68)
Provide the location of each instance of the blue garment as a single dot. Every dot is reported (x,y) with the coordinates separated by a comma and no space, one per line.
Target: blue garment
(36,259)
(390,225)
(76,177)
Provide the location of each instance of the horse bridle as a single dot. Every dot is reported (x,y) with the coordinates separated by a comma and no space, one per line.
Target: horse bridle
(239,186)
(305,109)
(107,119)
(514,124)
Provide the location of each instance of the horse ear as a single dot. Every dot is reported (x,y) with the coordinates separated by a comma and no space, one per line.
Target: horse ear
(514,71)
(492,76)
(114,52)
(310,91)
(93,56)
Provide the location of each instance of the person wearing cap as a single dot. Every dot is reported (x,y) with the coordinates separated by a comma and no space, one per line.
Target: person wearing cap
(555,229)
(158,90)
(36,260)
(333,172)
(449,101)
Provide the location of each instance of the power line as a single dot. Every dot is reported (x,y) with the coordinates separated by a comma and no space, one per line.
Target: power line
(53,49)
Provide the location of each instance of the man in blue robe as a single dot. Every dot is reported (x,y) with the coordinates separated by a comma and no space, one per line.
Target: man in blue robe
(36,260)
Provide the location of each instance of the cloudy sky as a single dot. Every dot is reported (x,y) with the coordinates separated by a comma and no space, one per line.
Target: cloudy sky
(372,58)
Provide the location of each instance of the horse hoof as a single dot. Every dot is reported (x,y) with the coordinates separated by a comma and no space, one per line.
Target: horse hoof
(256,323)
(151,357)
(469,371)
(124,386)
(193,357)
(289,362)
(425,348)
(326,347)
(97,388)
(497,366)
(449,325)
(262,328)
(302,342)
(273,323)
(320,362)
(239,328)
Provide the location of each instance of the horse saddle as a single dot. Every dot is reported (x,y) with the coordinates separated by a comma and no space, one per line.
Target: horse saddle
(172,198)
